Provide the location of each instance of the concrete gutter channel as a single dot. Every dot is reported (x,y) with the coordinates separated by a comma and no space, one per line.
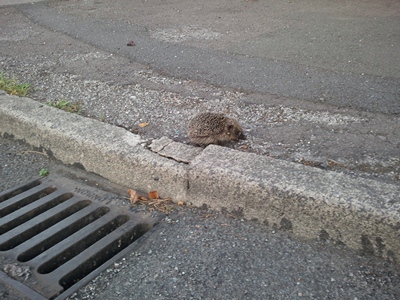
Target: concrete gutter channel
(363,214)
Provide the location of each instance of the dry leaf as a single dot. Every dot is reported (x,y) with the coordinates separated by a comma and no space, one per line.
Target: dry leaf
(244,147)
(133,196)
(144,124)
(181,203)
(154,195)
(155,201)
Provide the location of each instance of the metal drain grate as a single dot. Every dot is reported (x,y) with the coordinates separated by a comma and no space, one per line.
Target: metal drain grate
(57,234)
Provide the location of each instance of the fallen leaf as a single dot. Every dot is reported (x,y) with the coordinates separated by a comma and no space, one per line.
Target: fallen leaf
(181,203)
(131,43)
(133,196)
(144,124)
(154,195)
(244,147)
(154,202)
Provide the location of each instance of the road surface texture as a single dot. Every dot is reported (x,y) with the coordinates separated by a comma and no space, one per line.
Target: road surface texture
(313,83)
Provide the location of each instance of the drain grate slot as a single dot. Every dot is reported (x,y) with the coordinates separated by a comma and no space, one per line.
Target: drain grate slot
(81,245)
(116,246)
(62,234)
(19,189)
(24,199)
(65,233)
(30,211)
(38,228)
(41,221)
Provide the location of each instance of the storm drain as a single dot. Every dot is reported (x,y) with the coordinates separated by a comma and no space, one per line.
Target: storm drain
(56,235)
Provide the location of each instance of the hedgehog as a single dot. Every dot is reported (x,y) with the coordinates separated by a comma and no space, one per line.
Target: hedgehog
(214,128)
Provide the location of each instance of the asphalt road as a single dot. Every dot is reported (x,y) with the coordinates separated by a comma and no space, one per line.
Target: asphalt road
(345,59)
(318,111)
(203,254)
(316,84)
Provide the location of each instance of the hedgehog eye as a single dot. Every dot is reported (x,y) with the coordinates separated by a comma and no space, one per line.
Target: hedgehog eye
(230,127)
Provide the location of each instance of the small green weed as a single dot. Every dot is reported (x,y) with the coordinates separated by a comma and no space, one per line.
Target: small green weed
(66,105)
(13,87)
(44,172)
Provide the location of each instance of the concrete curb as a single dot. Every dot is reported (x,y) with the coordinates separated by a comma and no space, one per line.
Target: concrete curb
(107,150)
(312,203)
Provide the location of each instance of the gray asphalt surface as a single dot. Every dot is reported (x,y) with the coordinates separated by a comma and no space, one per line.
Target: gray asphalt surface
(315,83)
(252,70)
(77,51)
(203,254)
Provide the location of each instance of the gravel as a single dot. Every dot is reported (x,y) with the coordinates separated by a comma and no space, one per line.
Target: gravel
(342,141)
(208,255)
(20,162)
(119,91)
(204,254)
(195,253)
